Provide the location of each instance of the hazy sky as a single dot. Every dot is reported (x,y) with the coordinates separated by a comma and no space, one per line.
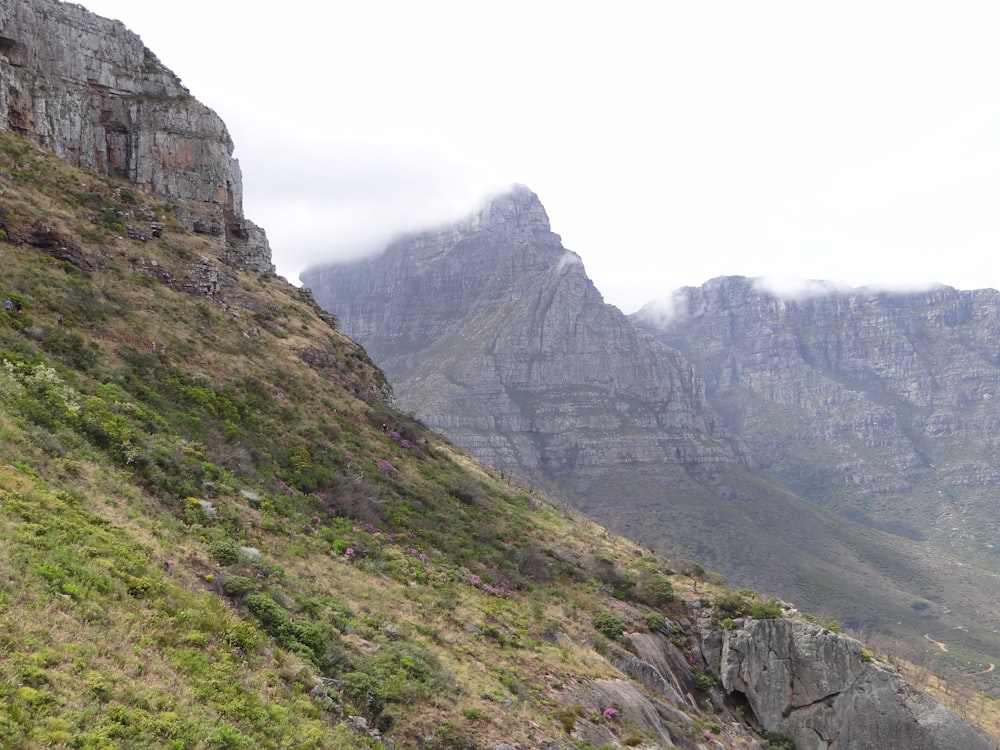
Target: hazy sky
(670,142)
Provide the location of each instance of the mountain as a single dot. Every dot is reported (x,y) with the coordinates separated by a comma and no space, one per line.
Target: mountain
(215,531)
(490,331)
(875,404)
(512,371)
(88,90)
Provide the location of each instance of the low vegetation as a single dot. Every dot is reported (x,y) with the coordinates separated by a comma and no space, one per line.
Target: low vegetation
(215,533)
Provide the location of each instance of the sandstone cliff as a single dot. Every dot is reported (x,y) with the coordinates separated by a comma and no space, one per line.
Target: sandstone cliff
(879,405)
(491,332)
(660,681)
(550,379)
(87,89)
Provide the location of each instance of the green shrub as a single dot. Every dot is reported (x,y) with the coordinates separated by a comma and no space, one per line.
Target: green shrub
(608,625)
(655,621)
(237,586)
(702,681)
(776,741)
(272,615)
(567,717)
(730,604)
(769,610)
(224,552)
(657,591)
(364,692)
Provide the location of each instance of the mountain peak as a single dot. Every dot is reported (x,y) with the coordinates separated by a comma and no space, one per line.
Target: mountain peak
(515,212)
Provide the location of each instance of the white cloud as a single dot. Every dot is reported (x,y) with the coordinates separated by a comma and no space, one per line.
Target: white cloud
(670,143)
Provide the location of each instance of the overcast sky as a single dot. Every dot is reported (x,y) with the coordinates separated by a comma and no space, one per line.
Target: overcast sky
(670,142)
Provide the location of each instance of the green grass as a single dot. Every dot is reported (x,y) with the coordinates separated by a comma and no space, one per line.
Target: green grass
(191,538)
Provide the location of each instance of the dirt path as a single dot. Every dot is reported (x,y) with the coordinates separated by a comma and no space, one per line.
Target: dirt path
(944,647)
(940,645)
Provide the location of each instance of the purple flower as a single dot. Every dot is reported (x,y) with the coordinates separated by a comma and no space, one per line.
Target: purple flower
(611,714)
(692,659)
(349,551)
(475,580)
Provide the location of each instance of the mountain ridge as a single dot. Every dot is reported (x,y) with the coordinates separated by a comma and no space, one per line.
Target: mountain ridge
(465,366)
(216,532)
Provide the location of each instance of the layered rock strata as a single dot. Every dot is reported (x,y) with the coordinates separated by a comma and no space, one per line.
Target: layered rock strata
(880,405)
(87,89)
(491,332)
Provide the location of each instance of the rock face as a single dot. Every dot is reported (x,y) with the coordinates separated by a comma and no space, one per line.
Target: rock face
(551,380)
(490,331)
(820,689)
(87,89)
(881,406)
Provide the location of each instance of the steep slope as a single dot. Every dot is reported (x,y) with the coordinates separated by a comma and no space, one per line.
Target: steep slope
(208,540)
(491,332)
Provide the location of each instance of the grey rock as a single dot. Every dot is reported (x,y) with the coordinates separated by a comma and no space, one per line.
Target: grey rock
(816,687)
(879,405)
(87,89)
(491,332)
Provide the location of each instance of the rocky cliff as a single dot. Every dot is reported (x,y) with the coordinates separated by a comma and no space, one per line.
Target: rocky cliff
(550,379)
(169,578)
(87,89)
(879,405)
(491,332)
(822,690)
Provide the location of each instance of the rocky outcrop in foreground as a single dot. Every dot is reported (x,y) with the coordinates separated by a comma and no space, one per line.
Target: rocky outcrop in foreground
(824,691)
(87,89)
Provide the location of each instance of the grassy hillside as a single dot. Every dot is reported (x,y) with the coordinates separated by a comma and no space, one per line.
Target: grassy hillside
(215,533)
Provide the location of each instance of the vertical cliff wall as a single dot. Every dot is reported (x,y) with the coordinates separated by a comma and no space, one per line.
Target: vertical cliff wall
(87,89)
(491,331)
(882,406)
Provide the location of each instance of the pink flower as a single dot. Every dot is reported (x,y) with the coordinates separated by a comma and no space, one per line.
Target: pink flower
(349,551)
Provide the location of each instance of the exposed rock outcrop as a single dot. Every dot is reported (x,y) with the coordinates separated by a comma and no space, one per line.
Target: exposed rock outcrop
(822,690)
(87,89)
